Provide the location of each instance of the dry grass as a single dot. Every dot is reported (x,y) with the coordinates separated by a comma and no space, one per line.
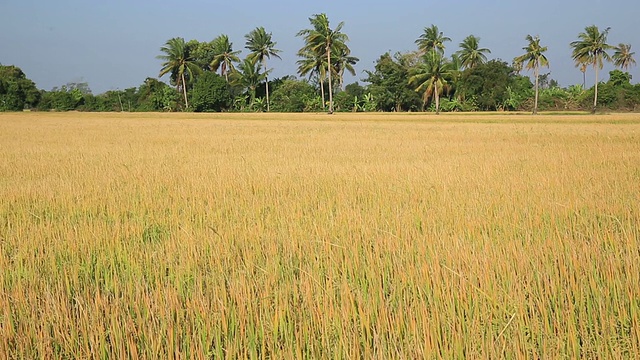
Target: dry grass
(310,236)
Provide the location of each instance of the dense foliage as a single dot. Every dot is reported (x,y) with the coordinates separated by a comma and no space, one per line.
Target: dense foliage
(16,90)
(425,79)
(210,93)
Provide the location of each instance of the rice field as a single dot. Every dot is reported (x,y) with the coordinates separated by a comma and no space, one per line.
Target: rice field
(351,236)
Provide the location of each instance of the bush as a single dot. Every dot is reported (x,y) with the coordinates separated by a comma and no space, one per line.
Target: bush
(210,93)
(294,96)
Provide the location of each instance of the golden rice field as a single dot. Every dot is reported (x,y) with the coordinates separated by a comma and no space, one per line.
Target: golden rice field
(355,236)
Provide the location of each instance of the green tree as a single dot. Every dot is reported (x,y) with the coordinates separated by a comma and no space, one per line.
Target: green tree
(432,39)
(201,53)
(261,46)
(533,58)
(455,74)
(389,85)
(16,90)
(344,61)
(430,77)
(155,95)
(179,62)
(471,54)
(355,89)
(210,93)
(313,65)
(65,98)
(321,39)
(591,48)
(248,76)
(493,85)
(619,78)
(223,56)
(293,96)
(623,56)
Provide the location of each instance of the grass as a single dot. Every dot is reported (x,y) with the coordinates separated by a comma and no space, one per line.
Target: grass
(315,236)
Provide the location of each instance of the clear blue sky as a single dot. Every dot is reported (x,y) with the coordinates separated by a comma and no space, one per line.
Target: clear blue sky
(113,44)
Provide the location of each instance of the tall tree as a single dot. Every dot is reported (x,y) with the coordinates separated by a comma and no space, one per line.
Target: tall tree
(455,74)
(432,39)
(321,39)
(313,64)
(591,48)
(431,76)
(534,58)
(583,69)
(223,56)
(248,75)
(261,46)
(470,53)
(623,56)
(179,63)
(344,61)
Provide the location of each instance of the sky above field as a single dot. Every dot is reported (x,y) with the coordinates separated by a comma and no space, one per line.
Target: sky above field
(113,44)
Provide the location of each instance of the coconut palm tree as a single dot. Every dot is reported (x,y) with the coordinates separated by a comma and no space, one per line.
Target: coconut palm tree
(248,76)
(517,67)
(432,39)
(321,39)
(471,54)
(344,61)
(179,63)
(534,58)
(583,69)
(313,65)
(623,56)
(455,75)
(591,48)
(224,56)
(261,46)
(430,77)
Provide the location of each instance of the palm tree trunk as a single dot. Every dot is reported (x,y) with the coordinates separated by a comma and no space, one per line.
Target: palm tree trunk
(266,81)
(535,101)
(184,90)
(329,75)
(595,97)
(322,91)
(437,98)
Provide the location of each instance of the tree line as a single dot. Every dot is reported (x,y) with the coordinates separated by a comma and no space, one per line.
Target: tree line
(210,76)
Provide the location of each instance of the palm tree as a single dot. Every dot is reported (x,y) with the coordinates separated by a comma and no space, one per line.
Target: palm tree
(322,40)
(248,76)
(313,64)
(223,56)
(430,77)
(623,57)
(179,63)
(432,39)
(262,48)
(470,54)
(591,48)
(517,67)
(534,58)
(455,75)
(583,69)
(344,61)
